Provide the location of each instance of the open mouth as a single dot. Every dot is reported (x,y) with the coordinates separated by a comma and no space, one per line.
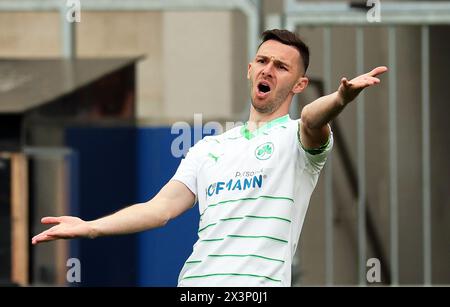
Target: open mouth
(263,88)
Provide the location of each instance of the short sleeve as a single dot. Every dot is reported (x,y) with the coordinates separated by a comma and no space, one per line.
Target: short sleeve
(187,171)
(315,159)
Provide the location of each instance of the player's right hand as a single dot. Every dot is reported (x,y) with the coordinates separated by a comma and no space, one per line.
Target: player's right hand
(67,227)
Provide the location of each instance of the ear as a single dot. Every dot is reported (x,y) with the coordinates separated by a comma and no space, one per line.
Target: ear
(301,84)
(248,70)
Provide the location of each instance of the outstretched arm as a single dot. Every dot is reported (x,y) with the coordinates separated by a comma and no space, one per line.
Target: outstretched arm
(315,116)
(173,199)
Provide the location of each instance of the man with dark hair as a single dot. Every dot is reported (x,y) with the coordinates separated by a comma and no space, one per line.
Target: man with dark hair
(290,39)
(253,183)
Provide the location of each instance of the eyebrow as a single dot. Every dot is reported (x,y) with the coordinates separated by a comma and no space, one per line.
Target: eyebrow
(276,61)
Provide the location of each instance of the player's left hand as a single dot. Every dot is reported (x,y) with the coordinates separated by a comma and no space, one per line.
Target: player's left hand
(348,90)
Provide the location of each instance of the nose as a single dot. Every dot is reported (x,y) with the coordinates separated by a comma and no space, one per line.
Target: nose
(268,69)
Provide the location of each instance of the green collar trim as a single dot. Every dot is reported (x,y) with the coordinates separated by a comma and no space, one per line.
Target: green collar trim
(263,129)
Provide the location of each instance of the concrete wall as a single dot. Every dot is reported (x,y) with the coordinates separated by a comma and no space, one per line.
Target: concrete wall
(124,34)
(202,64)
(182,53)
(29,34)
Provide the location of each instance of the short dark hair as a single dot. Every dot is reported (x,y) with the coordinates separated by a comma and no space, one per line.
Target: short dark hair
(288,38)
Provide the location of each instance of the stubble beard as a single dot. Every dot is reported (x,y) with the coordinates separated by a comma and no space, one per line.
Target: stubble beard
(270,106)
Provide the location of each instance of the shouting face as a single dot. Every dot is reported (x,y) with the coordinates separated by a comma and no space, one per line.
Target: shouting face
(275,76)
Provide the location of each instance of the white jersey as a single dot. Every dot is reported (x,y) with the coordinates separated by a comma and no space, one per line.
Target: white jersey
(253,190)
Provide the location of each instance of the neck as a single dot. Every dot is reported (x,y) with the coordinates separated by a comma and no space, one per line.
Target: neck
(257,119)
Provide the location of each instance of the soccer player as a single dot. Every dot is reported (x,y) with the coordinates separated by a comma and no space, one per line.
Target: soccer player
(253,183)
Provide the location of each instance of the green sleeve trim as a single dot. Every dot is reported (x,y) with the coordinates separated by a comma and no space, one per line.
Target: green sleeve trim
(314,151)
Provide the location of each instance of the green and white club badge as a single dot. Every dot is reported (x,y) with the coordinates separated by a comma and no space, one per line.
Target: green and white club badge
(264,151)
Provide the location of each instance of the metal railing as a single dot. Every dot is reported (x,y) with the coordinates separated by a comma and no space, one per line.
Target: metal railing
(393,14)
